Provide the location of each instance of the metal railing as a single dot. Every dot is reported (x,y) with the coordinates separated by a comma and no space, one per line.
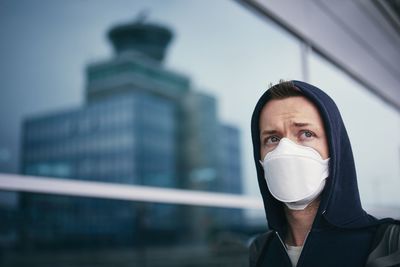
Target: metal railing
(70,187)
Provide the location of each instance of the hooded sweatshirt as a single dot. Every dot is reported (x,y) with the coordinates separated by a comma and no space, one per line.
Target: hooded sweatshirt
(342,232)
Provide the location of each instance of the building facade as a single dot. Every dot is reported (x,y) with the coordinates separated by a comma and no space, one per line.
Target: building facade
(142,124)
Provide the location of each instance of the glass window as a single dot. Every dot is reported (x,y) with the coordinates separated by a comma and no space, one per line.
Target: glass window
(225,62)
(76,231)
(374,129)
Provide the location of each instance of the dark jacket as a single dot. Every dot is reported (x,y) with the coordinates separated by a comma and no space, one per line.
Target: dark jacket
(342,231)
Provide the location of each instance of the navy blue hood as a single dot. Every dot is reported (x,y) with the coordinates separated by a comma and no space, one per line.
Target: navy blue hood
(340,202)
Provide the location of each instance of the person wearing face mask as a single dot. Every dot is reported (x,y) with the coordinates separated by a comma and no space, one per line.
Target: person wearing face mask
(308,182)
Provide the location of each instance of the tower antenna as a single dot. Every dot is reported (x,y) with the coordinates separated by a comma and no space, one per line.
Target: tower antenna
(141,17)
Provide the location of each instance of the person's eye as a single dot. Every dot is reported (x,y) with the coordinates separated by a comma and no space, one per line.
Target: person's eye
(271,140)
(306,135)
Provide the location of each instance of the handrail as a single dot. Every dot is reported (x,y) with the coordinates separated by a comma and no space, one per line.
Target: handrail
(71,187)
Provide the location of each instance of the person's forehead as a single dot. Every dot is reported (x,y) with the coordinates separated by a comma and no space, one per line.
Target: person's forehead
(297,107)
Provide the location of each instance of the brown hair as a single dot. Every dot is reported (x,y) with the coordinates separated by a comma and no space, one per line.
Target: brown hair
(284,89)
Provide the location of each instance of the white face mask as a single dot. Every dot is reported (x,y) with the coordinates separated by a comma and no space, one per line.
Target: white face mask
(295,174)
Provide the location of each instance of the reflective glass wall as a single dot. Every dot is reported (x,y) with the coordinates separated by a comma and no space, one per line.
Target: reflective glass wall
(374,129)
(139,94)
(52,231)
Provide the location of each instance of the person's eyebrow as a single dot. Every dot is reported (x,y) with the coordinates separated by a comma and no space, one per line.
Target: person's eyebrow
(295,124)
(268,132)
(301,124)
(306,124)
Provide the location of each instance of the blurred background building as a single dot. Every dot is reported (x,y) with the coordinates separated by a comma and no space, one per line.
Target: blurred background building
(142,124)
(174,117)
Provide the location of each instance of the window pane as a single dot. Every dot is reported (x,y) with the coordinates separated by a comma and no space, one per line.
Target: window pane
(75,105)
(374,129)
(48,230)
(90,111)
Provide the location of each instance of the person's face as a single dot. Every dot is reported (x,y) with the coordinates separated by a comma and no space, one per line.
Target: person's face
(295,118)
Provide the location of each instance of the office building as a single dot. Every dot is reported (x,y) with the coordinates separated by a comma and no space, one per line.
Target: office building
(142,124)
